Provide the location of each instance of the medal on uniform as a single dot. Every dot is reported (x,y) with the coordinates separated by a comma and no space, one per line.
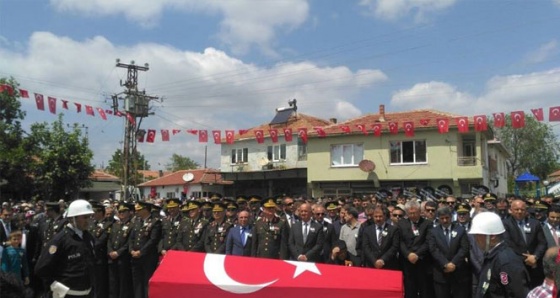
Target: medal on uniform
(220,229)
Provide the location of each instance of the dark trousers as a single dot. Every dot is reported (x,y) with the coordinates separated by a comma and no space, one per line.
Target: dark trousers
(415,280)
(120,276)
(101,283)
(142,270)
(452,289)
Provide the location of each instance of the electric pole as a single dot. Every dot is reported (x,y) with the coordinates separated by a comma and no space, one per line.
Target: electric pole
(135,107)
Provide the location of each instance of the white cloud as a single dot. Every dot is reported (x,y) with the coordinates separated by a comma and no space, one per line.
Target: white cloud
(431,95)
(245,23)
(393,10)
(543,53)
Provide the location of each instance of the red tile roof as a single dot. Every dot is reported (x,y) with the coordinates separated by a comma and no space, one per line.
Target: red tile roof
(100,175)
(298,120)
(201,176)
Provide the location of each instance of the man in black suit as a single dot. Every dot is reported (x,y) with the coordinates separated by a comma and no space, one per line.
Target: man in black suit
(449,246)
(239,238)
(306,237)
(552,229)
(526,237)
(380,242)
(5,226)
(328,230)
(414,251)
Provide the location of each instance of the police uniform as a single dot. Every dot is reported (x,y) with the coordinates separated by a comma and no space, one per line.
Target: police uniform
(100,231)
(169,227)
(119,268)
(216,233)
(190,231)
(270,237)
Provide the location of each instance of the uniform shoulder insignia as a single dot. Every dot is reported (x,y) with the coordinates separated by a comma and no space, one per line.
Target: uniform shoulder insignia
(52,249)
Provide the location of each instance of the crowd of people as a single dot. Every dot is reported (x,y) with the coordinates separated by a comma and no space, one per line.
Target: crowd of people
(483,246)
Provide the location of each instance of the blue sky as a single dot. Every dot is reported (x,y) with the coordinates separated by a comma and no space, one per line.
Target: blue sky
(228,64)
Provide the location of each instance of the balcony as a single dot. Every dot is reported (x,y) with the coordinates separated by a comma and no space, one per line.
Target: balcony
(463,161)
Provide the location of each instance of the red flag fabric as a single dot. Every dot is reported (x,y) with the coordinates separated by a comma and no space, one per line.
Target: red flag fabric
(217,275)
(393,128)
(65,104)
(288,134)
(118,114)
(192,131)
(273,135)
(259,135)
(499,120)
(130,118)
(462,124)
(538,113)
(362,128)
(243,131)
(23,93)
(202,136)
(230,136)
(109,112)
(443,125)
(140,137)
(217,134)
(176,131)
(40,101)
(480,123)
(425,122)
(7,88)
(302,133)
(89,110)
(151,136)
(320,132)
(554,114)
(102,113)
(518,119)
(345,128)
(408,128)
(52,104)
(377,129)
(165,135)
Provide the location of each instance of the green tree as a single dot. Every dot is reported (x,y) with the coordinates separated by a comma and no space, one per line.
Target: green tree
(63,160)
(116,168)
(179,162)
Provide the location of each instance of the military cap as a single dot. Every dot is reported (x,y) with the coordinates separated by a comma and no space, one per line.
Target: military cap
(464,207)
(255,199)
(173,202)
(231,206)
(143,204)
(269,203)
(218,207)
(540,206)
(241,199)
(331,205)
(206,205)
(490,197)
(190,205)
(215,197)
(52,205)
(96,206)
(124,206)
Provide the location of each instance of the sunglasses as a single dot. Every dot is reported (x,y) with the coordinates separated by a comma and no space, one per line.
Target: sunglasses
(397,215)
(288,204)
(450,203)
(321,214)
(430,210)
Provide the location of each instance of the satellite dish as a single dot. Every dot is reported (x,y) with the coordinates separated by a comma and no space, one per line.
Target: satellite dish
(264,161)
(188,177)
(367,165)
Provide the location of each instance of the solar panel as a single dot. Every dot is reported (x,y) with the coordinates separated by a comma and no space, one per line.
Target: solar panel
(282,116)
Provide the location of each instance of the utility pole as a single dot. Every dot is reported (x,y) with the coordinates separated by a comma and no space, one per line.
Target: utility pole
(135,107)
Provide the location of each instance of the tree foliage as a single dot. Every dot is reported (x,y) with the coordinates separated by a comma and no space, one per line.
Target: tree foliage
(179,162)
(116,167)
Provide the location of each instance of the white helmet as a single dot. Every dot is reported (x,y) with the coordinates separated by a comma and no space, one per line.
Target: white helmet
(79,207)
(487,223)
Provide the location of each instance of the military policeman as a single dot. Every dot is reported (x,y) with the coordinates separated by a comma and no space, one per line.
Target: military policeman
(191,229)
(119,256)
(270,234)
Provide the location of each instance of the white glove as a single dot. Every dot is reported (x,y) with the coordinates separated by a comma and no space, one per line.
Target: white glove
(59,290)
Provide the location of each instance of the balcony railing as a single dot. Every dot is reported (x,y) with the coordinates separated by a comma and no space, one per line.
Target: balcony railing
(466,161)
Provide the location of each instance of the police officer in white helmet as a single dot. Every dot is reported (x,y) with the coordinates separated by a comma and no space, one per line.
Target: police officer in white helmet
(503,273)
(66,263)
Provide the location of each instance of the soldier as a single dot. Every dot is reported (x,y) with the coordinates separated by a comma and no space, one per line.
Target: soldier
(119,256)
(216,232)
(55,223)
(142,245)
(231,212)
(191,229)
(254,208)
(270,234)
(170,225)
(464,216)
(100,228)
(242,203)
(207,211)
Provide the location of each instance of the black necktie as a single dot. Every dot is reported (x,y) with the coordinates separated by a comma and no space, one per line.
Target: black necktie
(447,235)
(379,235)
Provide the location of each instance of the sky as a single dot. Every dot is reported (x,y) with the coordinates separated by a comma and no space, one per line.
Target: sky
(228,64)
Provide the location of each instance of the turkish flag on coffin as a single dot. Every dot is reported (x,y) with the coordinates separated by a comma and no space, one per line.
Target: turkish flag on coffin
(212,275)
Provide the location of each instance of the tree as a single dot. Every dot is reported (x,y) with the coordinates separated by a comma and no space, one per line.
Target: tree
(178,162)
(115,166)
(62,160)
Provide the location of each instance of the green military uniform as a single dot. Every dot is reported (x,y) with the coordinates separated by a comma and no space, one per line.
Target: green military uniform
(169,227)
(270,237)
(119,268)
(100,230)
(216,233)
(190,231)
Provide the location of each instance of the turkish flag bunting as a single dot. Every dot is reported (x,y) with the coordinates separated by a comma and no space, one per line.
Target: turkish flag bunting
(192,131)
(393,128)
(320,131)
(217,136)
(480,123)
(302,133)
(362,128)
(202,136)
(89,110)
(23,93)
(102,113)
(230,134)
(40,101)
(65,104)
(462,124)
(518,119)
(151,136)
(499,120)
(554,114)
(226,276)
(78,107)
(259,135)
(52,104)
(408,128)
(273,135)
(176,131)
(7,88)
(424,122)
(130,118)
(109,112)
(288,134)
(377,129)
(443,125)
(140,137)
(165,135)
(118,114)
(243,131)
(345,128)
(539,115)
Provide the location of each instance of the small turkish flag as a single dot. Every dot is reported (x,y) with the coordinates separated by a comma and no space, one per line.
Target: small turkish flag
(130,118)
(7,88)
(539,115)
(377,129)
(259,135)
(165,135)
(288,134)
(554,114)
(518,119)
(52,104)
(40,101)
(480,123)
(393,128)
(362,128)
(78,107)
(141,137)
(408,128)
(302,133)
(462,124)
(243,131)
(499,120)
(443,125)
(109,112)
(151,136)
(345,128)
(320,132)
(118,114)
(273,135)
(192,131)
(217,136)
(64,104)
(102,113)
(202,136)
(230,134)
(176,131)
(89,110)
(23,93)
(424,122)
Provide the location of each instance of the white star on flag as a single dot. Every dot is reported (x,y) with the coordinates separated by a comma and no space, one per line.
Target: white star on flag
(304,266)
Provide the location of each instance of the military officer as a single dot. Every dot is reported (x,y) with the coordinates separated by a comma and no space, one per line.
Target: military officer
(270,234)
(254,208)
(55,223)
(119,256)
(100,228)
(242,203)
(216,232)
(170,225)
(207,211)
(191,229)
(231,212)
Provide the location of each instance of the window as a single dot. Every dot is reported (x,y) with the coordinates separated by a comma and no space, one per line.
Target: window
(277,152)
(408,152)
(239,155)
(302,149)
(346,154)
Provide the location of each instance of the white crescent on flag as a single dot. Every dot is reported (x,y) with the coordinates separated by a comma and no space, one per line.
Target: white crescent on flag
(498,117)
(273,133)
(151,135)
(392,125)
(259,134)
(441,123)
(408,127)
(462,122)
(229,134)
(360,127)
(203,133)
(517,118)
(478,120)
(555,112)
(216,135)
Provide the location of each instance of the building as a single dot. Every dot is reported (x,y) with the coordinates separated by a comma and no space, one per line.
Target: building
(185,184)
(104,186)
